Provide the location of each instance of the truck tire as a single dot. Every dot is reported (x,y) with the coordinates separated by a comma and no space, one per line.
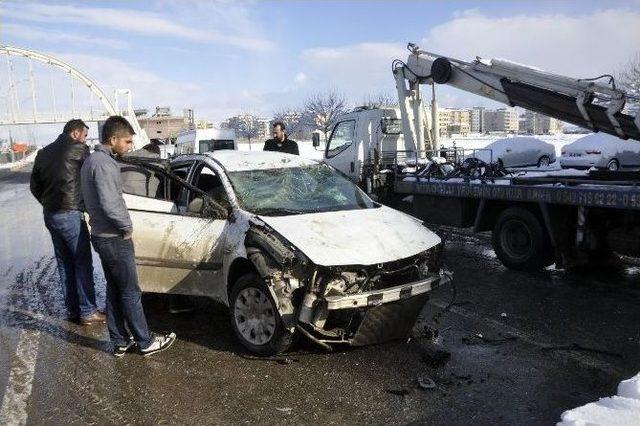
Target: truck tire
(255,318)
(520,241)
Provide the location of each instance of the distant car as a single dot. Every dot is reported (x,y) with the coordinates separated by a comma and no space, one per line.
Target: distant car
(518,152)
(601,150)
(289,244)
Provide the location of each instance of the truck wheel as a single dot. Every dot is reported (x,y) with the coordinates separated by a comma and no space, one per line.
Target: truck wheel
(520,241)
(255,318)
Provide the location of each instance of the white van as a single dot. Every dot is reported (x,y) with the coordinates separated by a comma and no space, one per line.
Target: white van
(199,141)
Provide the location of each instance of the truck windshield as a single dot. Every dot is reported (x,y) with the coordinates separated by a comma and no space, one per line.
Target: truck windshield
(391,126)
(297,190)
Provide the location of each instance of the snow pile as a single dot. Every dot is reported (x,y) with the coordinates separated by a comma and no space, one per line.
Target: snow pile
(27,160)
(622,409)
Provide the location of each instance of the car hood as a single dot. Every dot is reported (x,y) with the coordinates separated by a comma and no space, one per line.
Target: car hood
(354,237)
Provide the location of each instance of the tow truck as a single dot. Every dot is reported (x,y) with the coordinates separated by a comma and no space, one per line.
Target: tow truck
(535,220)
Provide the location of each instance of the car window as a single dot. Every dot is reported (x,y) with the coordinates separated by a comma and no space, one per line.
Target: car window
(341,137)
(144,182)
(176,190)
(206,179)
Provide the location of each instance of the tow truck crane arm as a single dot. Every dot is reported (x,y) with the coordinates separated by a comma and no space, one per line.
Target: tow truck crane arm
(587,103)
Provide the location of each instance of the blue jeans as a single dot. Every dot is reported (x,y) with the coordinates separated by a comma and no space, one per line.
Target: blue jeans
(125,315)
(71,244)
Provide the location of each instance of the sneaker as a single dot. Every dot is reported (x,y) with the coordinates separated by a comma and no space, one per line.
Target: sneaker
(119,351)
(159,344)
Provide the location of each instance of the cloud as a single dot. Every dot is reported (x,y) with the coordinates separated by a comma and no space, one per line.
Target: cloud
(300,78)
(355,70)
(578,46)
(32,33)
(131,21)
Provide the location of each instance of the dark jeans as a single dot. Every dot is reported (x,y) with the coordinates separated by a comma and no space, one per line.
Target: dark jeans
(125,315)
(71,244)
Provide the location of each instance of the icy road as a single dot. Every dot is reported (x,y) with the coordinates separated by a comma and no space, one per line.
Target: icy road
(524,348)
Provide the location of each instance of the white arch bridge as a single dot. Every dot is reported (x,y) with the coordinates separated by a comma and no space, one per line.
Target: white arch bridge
(38,89)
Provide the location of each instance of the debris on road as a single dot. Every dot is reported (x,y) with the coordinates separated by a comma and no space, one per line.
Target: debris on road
(399,392)
(476,338)
(426,383)
(286,410)
(579,347)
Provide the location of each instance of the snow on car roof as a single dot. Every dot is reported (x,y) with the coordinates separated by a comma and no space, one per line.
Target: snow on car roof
(519,141)
(598,140)
(236,161)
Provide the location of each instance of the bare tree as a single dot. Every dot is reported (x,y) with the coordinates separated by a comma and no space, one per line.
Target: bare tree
(380,100)
(629,79)
(292,119)
(322,110)
(246,126)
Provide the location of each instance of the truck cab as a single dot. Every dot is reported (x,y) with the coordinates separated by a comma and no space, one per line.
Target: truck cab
(362,134)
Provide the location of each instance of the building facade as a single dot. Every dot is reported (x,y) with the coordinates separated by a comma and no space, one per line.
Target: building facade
(502,120)
(162,125)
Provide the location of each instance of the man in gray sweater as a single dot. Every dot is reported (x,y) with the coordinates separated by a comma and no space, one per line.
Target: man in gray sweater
(111,231)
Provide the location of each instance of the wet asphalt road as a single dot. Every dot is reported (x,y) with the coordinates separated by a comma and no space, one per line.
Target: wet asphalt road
(52,371)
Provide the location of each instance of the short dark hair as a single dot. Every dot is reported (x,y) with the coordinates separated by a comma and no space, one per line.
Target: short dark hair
(75,124)
(115,125)
(279,123)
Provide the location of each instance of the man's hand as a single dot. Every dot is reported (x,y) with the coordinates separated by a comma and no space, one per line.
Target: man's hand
(127,235)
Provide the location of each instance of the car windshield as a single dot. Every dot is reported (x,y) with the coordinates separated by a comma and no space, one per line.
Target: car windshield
(297,190)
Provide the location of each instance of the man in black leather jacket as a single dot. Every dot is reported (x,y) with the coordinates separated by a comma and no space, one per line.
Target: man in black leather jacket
(55,182)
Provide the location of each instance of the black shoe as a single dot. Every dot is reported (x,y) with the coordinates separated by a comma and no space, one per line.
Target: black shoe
(159,344)
(119,351)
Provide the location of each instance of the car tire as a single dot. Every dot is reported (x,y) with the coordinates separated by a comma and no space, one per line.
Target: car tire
(265,335)
(520,241)
(613,165)
(544,161)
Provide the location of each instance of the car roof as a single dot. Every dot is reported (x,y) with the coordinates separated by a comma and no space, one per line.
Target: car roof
(235,161)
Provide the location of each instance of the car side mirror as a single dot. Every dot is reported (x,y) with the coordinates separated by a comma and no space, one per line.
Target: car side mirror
(315,137)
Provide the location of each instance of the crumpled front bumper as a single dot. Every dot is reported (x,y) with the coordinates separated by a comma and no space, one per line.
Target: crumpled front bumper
(384,314)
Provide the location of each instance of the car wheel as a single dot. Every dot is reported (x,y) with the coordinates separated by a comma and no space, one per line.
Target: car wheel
(255,318)
(544,161)
(520,241)
(613,165)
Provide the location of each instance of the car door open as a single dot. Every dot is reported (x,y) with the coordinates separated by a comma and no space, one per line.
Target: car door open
(177,247)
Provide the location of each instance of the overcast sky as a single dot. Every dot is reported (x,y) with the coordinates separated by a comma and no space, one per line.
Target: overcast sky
(222,57)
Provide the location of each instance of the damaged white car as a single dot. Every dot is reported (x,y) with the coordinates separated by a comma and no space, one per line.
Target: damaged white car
(290,245)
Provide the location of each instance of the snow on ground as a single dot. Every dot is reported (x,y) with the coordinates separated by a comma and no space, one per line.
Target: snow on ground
(28,159)
(621,409)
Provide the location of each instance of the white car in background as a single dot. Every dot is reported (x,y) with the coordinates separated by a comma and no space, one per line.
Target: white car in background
(519,151)
(601,150)
(289,244)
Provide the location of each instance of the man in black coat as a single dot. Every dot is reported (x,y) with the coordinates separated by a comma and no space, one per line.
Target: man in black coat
(55,182)
(280,141)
